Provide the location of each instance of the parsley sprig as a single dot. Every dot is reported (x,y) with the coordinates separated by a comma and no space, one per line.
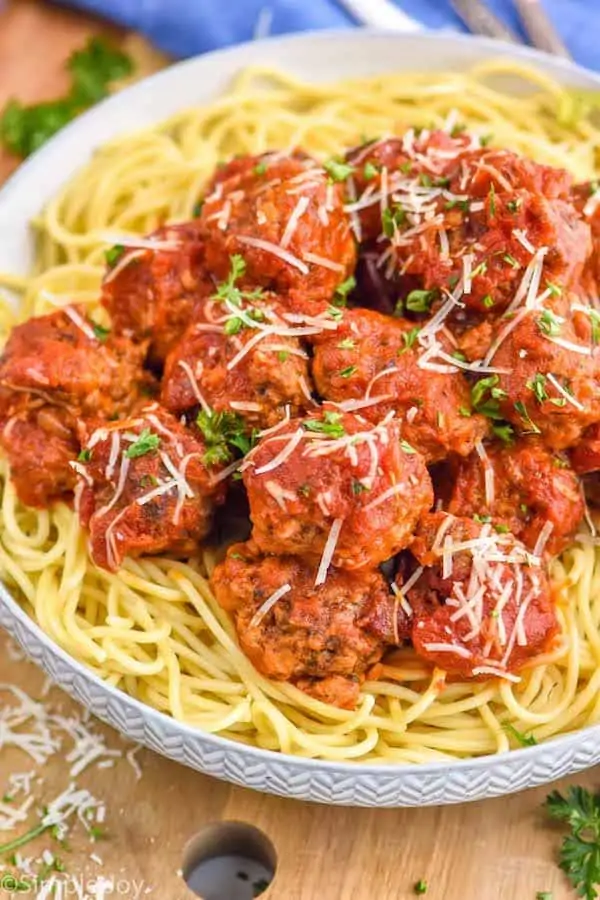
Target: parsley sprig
(223,431)
(233,296)
(23,129)
(580,850)
(330,424)
(146,443)
(486,396)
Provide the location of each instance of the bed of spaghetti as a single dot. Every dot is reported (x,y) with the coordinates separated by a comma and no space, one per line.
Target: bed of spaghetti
(154,628)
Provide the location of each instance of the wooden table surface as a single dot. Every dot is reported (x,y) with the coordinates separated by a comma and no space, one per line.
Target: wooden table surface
(496,850)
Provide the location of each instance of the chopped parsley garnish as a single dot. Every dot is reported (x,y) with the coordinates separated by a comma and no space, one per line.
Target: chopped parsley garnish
(282,355)
(444,181)
(146,443)
(595,324)
(84,456)
(525,740)
(425,179)
(230,293)
(222,431)
(148,481)
(406,167)
(358,488)
(524,508)
(409,338)
(330,425)
(549,324)
(114,254)
(580,850)
(486,139)
(514,206)
(594,187)
(260,168)
(488,301)
(304,490)
(460,204)
(7,798)
(492,199)
(458,129)
(335,313)
(465,411)
(347,344)
(408,448)
(522,410)
(392,219)
(197,209)
(544,895)
(337,170)
(459,355)
(420,887)
(23,129)
(504,432)
(501,528)
(370,171)
(555,289)
(482,520)
(485,396)
(348,372)
(481,269)
(537,385)
(420,301)
(508,258)
(101,332)
(340,297)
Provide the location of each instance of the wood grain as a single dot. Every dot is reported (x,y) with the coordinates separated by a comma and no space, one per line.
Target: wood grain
(496,850)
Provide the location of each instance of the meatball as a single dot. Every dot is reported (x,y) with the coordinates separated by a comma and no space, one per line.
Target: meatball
(350,367)
(54,370)
(151,293)
(481,605)
(285,216)
(530,490)
(586,198)
(585,457)
(145,488)
(338,488)
(40,445)
(549,379)
(319,638)
(247,362)
(493,224)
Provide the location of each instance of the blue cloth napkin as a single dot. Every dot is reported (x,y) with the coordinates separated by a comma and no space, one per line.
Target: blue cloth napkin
(186,27)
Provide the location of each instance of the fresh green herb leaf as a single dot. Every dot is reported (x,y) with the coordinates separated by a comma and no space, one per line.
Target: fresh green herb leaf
(514,206)
(420,887)
(408,448)
(458,129)
(146,443)
(483,520)
(458,204)
(503,431)
(84,456)
(420,301)
(233,326)
(348,372)
(392,219)
(508,258)
(282,355)
(595,323)
(406,167)
(260,168)
(114,254)
(341,292)
(197,209)
(304,490)
(101,332)
(7,798)
(459,355)
(500,528)
(23,129)
(594,187)
(330,425)
(335,313)
(97,833)
(148,481)
(370,171)
(222,431)
(488,301)
(465,411)
(409,338)
(525,740)
(537,385)
(358,488)
(549,324)
(425,179)
(486,139)
(580,850)
(347,344)
(544,895)
(555,289)
(337,170)
(30,835)
(524,508)
(485,396)
(481,269)
(492,199)
(522,410)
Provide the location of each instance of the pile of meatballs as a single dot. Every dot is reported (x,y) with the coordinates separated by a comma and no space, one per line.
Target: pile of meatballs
(389,359)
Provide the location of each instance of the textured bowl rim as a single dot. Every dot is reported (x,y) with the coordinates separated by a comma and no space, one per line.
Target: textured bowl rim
(17,183)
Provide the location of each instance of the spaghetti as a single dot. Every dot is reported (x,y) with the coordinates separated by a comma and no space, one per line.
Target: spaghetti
(154,628)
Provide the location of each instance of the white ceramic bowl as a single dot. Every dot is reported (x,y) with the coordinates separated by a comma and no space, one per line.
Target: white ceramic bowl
(319,57)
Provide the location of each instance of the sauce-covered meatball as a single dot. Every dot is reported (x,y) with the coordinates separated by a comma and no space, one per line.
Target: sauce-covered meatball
(522,488)
(481,605)
(548,381)
(151,293)
(246,360)
(372,356)
(285,216)
(145,488)
(338,488)
(488,221)
(54,371)
(319,638)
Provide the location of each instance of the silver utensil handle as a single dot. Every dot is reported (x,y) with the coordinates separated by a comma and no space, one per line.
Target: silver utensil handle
(380,14)
(481,20)
(540,29)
